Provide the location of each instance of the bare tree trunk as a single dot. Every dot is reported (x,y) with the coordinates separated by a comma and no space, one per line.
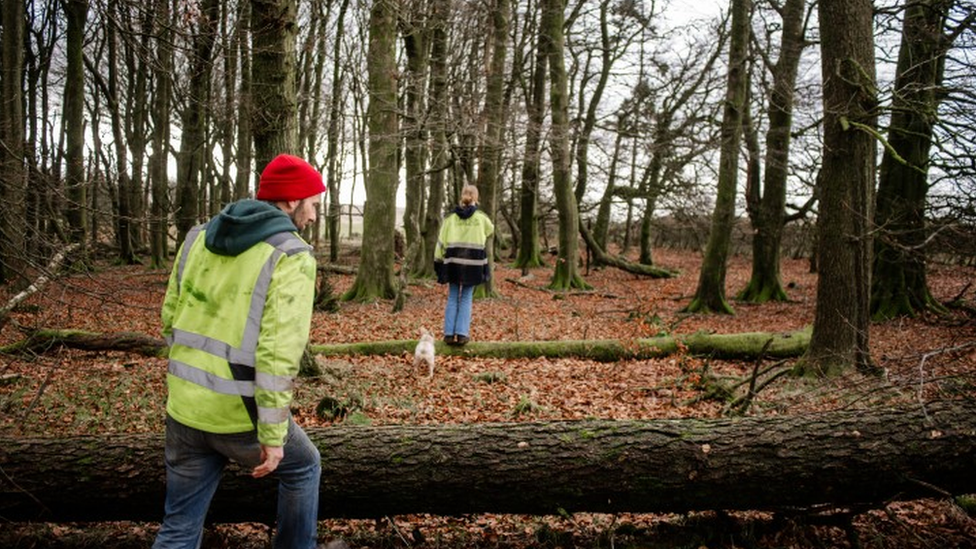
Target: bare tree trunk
(739,346)
(124,212)
(529,249)
(416,40)
(601,228)
(439,149)
(602,257)
(607,53)
(226,130)
(159,168)
(191,161)
(375,279)
(45,198)
(76,12)
(245,107)
(841,321)
(770,211)
(275,114)
(566,273)
(710,295)
(494,117)
(899,284)
(335,119)
(138,133)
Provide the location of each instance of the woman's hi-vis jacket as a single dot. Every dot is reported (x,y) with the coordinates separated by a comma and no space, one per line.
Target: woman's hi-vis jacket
(237,327)
(460,256)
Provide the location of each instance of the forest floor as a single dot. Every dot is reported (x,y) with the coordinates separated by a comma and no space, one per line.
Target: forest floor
(64,391)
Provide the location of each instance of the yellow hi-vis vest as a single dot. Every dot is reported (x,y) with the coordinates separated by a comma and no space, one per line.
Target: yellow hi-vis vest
(237,327)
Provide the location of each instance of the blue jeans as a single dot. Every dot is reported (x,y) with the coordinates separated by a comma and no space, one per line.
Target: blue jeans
(194,462)
(457,313)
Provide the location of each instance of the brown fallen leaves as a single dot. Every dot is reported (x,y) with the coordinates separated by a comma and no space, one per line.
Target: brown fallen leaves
(70,392)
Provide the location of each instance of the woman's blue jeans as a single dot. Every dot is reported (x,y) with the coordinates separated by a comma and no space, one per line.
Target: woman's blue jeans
(194,462)
(457,313)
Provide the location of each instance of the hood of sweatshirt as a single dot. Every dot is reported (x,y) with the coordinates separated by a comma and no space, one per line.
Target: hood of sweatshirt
(465,212)
(243,224)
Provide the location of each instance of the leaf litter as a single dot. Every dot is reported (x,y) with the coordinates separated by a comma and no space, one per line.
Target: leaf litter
(65,392)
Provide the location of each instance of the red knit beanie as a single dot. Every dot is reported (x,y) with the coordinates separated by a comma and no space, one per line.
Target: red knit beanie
(288,177)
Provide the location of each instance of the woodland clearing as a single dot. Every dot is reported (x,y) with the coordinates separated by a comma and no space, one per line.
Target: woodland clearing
(64,391)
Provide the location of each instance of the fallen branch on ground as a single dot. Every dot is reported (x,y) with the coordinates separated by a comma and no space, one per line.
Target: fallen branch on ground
(39,283)
(604,258)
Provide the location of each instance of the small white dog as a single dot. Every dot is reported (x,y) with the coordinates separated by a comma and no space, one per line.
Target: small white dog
(424,353)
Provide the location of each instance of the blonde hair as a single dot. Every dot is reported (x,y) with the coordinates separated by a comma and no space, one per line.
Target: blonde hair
(469,195)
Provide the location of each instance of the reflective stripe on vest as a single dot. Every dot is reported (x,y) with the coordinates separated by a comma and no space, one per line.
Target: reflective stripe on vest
(216,384)
(465,253)
(285,244)
(273,415)
(191,237)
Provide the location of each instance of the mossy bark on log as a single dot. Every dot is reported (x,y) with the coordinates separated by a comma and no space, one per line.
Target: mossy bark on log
(728,346)
(746,345)
(853,457)
(620,263)
(133,342)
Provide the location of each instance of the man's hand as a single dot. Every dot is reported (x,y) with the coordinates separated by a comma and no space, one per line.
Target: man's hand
(271,456)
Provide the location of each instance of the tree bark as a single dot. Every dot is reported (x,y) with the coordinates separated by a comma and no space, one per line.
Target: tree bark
(601,227)
(191,160)
(245,106)
(416,44)
(899,285)
(770,210)
(39,282)
(609,52)
(494,114)
(841,323)
(440,12)
(710,295)
(13,176)
(375,279)
(124,215)
(728,346)
(847,458)
(333,162)
(274,125)
(748,345)
(566,274)
(43,340)
(529,249)
(158,163)
(76,12)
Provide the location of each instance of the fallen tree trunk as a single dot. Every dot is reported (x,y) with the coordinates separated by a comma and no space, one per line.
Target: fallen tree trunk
(604,258)
(337,269)
(731,346)
(42,340)
(864,457)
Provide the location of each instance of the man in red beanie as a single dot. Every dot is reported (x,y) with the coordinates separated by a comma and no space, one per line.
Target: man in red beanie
(288,179)
(236,316)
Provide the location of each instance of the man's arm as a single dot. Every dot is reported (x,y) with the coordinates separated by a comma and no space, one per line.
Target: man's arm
(285,325)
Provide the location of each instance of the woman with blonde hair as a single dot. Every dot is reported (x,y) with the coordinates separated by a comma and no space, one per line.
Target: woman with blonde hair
(461,262)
